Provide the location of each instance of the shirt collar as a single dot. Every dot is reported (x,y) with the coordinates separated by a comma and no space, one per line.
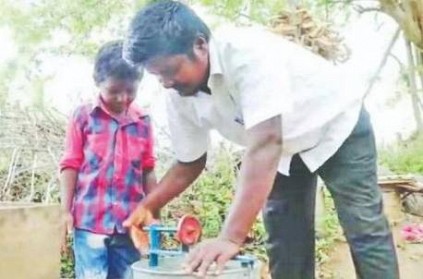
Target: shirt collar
(134,113)
(214,59)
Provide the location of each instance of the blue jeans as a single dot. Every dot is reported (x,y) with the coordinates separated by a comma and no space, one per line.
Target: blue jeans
(99,256)
(351,177)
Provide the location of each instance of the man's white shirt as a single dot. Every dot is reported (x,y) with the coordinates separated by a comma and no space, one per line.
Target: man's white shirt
(256,75)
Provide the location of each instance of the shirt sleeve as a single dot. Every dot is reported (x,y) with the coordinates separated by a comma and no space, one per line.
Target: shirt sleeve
(148,158)
(261,77)
(73,155)
(189,139)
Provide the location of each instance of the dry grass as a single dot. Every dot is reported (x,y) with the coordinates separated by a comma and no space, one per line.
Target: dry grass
(31,142)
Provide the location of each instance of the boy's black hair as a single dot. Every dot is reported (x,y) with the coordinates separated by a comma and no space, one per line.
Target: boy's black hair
(163,28)
(110,63)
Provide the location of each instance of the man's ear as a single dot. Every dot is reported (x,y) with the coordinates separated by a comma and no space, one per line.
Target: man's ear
(201,44)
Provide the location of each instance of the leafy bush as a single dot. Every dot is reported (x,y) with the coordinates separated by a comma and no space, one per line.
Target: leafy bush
(404,157)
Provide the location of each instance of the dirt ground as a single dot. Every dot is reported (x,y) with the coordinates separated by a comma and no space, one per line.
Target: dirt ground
(410,257)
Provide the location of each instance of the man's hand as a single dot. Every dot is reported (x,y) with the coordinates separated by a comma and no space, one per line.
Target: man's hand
(140,217)
(210,251)
(67,230)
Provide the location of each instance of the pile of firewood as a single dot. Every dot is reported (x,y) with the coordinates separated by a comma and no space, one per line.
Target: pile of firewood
(301,27)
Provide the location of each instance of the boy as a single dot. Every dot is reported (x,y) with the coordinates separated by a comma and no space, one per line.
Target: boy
(107,169)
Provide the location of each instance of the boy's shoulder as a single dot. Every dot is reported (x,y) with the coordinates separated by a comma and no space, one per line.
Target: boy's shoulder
(82,112)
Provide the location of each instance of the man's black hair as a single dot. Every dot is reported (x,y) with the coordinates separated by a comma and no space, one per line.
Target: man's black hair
(110,63)
(163,28)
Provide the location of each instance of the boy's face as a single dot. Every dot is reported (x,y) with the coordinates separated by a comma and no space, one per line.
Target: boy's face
(182,72)
(118,94)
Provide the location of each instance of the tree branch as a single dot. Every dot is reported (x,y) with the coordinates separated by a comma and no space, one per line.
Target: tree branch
(413,86)
(400,63)
(383,61)
(404,15)
(362,10)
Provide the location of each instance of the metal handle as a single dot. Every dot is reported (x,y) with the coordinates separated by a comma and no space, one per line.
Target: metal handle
(246,260)
(186,225)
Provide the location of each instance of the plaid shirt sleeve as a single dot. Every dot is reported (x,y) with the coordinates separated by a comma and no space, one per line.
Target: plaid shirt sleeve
(148,158)
(73,154)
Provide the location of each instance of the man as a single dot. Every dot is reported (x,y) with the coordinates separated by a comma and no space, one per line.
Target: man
(297,117)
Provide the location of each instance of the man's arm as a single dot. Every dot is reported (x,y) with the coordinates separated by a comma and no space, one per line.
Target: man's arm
(258,171)
(150,183)
(257,174)
(149,180)
(178,178)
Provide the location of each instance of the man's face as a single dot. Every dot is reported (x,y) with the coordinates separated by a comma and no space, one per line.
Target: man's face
(182,72)
(118,94)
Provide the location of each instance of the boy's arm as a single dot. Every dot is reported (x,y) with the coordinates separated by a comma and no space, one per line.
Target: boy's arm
(178,178)
(149,162)
(69,167)
(71,162)
(148,159)
(150,183)
(67,182)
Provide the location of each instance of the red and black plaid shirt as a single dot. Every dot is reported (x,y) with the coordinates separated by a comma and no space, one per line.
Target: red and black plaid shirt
(110,156)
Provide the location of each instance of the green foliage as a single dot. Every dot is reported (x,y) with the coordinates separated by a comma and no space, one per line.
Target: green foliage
(404,157)
(49,28)
(67,267)
(331,230)
(7,72)
(259,11)
(36,24)
(78,27)
(209,198)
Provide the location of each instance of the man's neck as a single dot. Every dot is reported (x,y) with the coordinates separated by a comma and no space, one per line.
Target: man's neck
(204,85)
(205,88)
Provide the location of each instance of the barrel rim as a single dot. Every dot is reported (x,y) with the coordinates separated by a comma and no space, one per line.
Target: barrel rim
(146,270)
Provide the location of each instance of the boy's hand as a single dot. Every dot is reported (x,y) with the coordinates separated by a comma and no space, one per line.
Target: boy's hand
(140,239)
(68,229)
(209,251)
(140,217)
